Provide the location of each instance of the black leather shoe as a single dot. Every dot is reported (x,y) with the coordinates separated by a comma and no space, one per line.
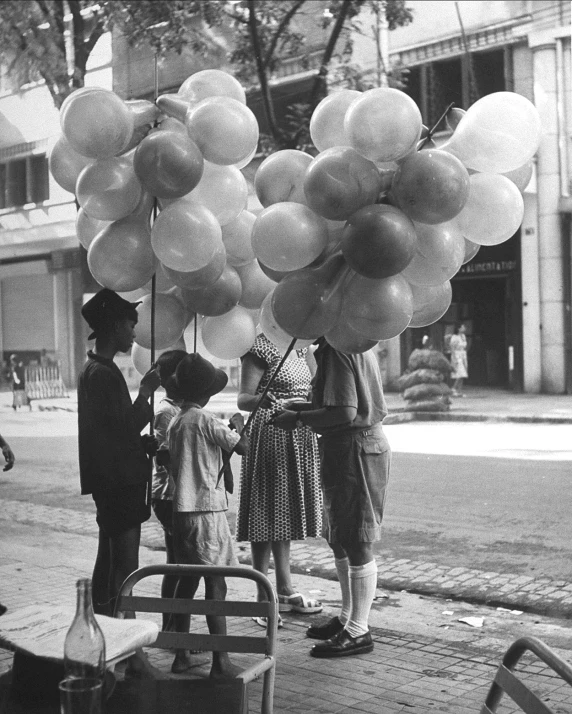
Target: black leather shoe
(325,631)
(343,645)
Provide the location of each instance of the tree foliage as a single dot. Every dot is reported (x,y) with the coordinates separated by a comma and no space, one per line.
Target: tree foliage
(53,39)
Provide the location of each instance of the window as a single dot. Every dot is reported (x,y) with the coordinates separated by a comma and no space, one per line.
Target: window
(24,180)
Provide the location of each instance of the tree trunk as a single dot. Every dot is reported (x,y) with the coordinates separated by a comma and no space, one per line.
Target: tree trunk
(262,75)
(320,86)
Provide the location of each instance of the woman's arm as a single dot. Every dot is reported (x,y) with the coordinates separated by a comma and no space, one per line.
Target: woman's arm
(251,373)
(322,418)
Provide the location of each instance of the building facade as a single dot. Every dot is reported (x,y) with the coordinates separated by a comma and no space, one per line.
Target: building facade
(515,298)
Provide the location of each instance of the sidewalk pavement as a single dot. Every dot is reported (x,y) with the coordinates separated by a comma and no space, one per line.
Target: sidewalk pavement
(479,404)
(424,659)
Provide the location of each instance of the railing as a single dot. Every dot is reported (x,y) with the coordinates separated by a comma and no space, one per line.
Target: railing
(45,382)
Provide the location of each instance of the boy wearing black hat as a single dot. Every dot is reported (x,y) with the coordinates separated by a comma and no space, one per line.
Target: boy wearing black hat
(201,534)
(114,464)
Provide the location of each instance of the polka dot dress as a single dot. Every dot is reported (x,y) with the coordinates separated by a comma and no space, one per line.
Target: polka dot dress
(280,496)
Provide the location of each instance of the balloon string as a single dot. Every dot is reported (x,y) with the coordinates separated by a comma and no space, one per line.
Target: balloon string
(257,407)
(195,335)
(434,127)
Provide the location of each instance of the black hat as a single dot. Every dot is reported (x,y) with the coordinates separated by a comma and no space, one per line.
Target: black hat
(104,308)
(197,378)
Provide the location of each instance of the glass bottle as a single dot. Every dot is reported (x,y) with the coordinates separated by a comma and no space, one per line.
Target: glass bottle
(84,646)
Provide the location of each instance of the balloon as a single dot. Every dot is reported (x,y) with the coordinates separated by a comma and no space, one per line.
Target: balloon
(168,164)
(280,177)
(172,124)
(229,336)
(287,236)
(120,257)
(383,124)
(211,83)
(274,332)
(430,186)
(345,339)
(202,278)
(471,249)
(327,122)
(307,303)
(87,228)
(430,303)
(494,210)
(499,133)
(218,298)
(236,238)
(141,357)
(225,130)
(275,275)
(223,190)
(186,236)
(377,309)
(521,176)
(66,164)
(454,116)
(173,106)
(170,321)
(96,123)
(247,160)
(438,256)
(144,112)
(339,181)
(108,189)
(145,206)
(378,241)
(255,285)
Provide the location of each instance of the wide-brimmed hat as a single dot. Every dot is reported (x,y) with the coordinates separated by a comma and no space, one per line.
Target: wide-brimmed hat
(104,308)
(196,378)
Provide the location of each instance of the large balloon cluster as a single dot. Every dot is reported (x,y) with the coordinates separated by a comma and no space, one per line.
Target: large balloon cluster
(355,244)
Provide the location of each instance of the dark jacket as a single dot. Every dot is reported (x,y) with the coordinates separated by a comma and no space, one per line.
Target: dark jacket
(111,453)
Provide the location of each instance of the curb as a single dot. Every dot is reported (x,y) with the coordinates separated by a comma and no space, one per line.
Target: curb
(541,596)
(406,417)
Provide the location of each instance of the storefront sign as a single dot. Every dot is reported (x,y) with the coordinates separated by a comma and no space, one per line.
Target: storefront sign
(490,267)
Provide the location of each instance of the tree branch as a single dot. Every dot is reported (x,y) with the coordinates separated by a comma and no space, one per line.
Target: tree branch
(281,27)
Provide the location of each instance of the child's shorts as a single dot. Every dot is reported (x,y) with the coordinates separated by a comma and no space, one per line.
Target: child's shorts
(354,472)
(203,538)
(121,509)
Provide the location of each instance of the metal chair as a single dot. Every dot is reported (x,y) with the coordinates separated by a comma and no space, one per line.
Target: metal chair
(508,681)
(264,645)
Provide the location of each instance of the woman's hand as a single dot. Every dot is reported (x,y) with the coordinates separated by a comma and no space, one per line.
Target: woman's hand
(266,402)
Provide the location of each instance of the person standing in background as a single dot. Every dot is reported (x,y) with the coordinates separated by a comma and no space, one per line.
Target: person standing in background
(459,361)
(18,377)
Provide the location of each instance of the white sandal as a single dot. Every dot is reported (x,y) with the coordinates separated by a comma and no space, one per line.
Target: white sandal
(262,621)
(304,606)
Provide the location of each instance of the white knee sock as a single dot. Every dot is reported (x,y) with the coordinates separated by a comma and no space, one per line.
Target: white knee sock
(343,570)
(363,583)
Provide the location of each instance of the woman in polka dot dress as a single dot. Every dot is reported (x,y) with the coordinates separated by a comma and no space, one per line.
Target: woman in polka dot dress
(280,498)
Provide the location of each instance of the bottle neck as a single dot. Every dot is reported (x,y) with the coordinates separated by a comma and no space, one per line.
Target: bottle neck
(84,606)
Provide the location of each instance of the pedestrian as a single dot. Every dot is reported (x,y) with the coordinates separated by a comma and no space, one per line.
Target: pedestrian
(9,458)
(163,485)
(346,410)
(201,534)
(114,464)
(459,361)
(18,378)
(280,497)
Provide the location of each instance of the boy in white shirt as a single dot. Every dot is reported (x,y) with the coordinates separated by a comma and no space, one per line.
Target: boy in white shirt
(201,534)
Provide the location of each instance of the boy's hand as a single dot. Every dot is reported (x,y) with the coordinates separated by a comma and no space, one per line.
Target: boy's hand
(149,382)
(163,458)
(284,419)
(236,422)
(9,457)
(150,444)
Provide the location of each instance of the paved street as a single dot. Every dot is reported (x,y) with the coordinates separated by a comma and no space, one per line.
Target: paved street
(425,658)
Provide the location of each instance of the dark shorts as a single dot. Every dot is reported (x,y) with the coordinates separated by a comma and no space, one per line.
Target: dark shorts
(121,509)
(163,509)
(354,470)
